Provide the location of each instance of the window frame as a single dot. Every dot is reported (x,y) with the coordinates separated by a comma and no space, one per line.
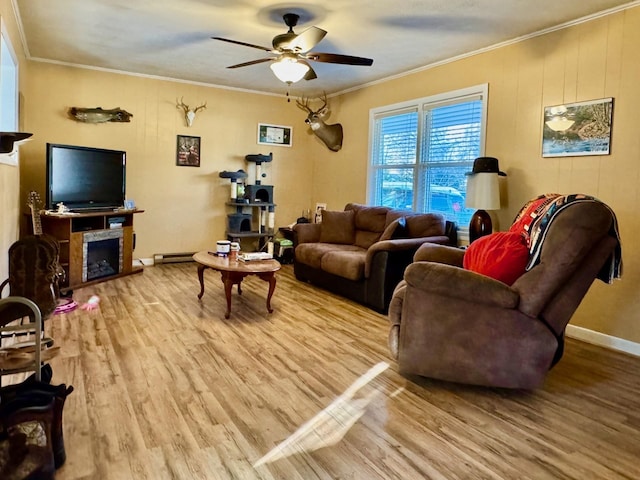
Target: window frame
(420,166)
(13,113)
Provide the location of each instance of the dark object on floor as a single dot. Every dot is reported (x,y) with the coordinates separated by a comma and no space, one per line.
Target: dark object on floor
(46,374)
(454,324)
(31,393)
(26,439)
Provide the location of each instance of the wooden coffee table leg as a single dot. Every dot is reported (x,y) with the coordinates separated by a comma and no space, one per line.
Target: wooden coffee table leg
(227,280)
(271,278)
(201,269)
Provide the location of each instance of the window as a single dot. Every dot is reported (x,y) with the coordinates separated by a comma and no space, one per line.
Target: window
(420,151)
(8,90)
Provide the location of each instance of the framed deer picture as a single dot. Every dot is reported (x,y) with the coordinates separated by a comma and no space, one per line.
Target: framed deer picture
(188,151)
(275,135)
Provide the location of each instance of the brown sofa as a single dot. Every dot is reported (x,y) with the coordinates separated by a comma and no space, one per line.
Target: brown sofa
(452,323)
(361,252)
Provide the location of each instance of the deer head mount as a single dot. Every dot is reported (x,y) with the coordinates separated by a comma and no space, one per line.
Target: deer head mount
(331,135)
(189,114)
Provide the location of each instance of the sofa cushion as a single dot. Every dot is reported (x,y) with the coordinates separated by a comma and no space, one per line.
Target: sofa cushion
(370,223)
(345,263)
(425,225)
(501,255)
(338,227)
(371,219)
(311,253)
(365,239)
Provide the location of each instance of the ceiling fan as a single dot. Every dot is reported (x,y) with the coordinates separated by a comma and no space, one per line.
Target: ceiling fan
(292,53)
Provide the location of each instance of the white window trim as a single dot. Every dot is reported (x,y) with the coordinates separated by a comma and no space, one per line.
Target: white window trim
(12,157)
(397,108)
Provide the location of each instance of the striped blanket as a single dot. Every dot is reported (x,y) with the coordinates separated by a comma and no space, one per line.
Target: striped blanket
(536,216)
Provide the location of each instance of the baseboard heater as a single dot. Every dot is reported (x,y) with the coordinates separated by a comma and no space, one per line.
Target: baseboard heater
(159,258)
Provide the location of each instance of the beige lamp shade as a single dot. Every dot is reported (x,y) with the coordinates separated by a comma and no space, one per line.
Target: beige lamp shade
(483,191)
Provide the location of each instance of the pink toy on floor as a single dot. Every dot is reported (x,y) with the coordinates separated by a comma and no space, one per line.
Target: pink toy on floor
(92,303)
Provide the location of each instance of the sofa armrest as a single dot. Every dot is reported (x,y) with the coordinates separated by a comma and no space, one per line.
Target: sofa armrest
(397,245)
(431,252)
(454,282)
(306,233)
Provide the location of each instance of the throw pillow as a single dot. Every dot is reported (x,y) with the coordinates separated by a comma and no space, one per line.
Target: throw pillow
(396,229)
(501,255)
(338,227)
(425,225)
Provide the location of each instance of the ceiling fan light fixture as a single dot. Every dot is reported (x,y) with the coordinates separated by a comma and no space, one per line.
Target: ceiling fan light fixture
(289,70)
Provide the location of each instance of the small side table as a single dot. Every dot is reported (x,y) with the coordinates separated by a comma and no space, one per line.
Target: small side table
(286,232)
(285,252)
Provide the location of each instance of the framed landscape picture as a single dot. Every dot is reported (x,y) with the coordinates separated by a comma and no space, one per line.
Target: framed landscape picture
(188,151)
(577,129)
(275,135)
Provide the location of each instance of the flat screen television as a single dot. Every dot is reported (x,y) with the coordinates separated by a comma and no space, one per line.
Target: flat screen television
(84,178)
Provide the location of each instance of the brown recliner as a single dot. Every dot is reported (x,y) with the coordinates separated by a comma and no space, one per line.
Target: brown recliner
(457,325)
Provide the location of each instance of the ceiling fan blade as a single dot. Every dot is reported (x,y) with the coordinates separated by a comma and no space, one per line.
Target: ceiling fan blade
(337,58)
(311,74)
(307,39)
(266,49)
(252,62)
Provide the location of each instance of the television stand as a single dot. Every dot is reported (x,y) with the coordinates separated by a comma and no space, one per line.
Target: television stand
(102,211)
(94,246)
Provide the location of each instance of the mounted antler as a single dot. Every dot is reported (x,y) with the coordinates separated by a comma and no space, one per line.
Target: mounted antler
(331,135)
(304,104)
(189,115)
(201,107)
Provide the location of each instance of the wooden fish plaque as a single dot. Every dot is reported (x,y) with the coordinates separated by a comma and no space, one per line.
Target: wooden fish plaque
(98,115)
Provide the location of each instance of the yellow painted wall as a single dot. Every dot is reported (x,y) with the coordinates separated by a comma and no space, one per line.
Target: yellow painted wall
(184,206)
(10,207)
(597,59)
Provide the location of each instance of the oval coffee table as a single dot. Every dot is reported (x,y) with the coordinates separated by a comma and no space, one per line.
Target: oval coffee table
(234,271)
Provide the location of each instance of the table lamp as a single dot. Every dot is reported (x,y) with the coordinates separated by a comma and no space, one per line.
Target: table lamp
(483,193)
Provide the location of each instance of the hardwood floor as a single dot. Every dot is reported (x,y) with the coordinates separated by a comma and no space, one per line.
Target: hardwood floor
(166,388)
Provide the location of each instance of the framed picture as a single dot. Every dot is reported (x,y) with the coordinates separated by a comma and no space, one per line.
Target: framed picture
(577,129)
(188,151)
(275,135)
(317,218)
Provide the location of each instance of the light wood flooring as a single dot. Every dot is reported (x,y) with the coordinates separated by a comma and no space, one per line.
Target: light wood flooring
(166,388)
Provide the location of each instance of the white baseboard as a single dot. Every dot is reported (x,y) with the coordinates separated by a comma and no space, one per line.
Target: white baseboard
(603,340)
(142,262)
